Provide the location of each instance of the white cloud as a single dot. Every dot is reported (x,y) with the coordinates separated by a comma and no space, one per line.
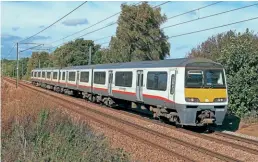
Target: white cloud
(75,22)
(32,16)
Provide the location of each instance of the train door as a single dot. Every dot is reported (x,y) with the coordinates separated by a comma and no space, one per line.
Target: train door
(139,85)
(110,81)
(172,84)
(66,78)
(77,79)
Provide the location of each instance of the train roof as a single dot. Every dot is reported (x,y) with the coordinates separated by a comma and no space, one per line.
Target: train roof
(180,62)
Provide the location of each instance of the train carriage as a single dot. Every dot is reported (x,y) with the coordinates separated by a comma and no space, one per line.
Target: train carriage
(185,91)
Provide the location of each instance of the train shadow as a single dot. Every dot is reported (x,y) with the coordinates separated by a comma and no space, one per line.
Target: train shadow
(230,123)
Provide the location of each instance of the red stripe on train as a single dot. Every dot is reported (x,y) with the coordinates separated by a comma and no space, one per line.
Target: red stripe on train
(100,89)
(124,92)
(157,97)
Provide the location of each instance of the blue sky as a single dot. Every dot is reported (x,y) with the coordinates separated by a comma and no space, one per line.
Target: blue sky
(22,19)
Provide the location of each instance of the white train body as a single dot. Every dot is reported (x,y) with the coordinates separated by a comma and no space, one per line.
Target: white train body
(180,90)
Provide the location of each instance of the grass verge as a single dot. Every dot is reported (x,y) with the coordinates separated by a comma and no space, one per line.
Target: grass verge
(32,133)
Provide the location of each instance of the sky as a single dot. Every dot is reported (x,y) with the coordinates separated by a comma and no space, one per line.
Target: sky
(19,20)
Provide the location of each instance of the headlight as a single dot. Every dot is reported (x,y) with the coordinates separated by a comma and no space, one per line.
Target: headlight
(220,100)
(189,99)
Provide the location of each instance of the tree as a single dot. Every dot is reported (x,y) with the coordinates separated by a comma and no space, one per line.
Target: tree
(38,60)
(238,53)
(23,67)
(8,67)
(74,53)
(211,48)
(102,56)
(138,35)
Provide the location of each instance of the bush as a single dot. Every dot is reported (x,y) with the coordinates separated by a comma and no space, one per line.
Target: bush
(54,137)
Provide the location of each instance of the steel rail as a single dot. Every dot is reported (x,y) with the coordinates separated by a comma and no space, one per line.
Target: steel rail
(155,133)
(242,139)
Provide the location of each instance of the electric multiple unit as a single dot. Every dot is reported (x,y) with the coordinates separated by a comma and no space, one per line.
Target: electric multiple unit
(185,91)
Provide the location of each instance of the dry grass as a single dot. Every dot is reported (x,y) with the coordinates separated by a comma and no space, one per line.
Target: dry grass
(33,130)
(19,103)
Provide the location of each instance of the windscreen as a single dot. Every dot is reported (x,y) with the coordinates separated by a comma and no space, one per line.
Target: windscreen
(208,78)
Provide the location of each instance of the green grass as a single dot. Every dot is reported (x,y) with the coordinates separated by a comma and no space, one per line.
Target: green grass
(55,137)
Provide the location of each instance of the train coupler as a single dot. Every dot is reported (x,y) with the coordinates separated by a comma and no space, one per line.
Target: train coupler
(205,117)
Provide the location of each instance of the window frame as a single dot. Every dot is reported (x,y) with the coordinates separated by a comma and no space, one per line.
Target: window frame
(101,83)
(43,72)
(59,77)
(49,75)
(155,73)
(123,81)
(55,72)
(87,76)
(173,83)
(63,75)
(70,76)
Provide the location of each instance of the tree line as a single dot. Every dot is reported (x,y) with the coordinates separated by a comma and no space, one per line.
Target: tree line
(139,37)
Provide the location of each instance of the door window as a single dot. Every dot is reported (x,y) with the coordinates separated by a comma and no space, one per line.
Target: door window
(173,81)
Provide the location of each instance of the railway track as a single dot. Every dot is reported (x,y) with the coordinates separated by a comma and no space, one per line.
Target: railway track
(237,138)
(146,141)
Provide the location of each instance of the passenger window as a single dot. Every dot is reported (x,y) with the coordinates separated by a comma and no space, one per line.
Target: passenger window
(99,77)
(43,74)
(54,75)
(48,75)
(71,76)
(123,79)
(173,81)
(157,81)
(63,76)
(84,77)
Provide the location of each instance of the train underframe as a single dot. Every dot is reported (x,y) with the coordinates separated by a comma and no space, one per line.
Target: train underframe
(203,118)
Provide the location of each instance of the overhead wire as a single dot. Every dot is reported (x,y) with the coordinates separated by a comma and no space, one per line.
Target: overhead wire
(90,26)
(103,43)
(9,53)
(176,15)
(198,31)
(95,40)
(105,26)
(200,18)
(194,10)
(54,22)
(31,48)
(88,33)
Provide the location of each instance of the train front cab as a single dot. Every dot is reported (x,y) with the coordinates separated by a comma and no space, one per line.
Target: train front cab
(204,99)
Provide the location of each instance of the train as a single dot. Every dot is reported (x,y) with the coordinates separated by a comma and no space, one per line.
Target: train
(184,91)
